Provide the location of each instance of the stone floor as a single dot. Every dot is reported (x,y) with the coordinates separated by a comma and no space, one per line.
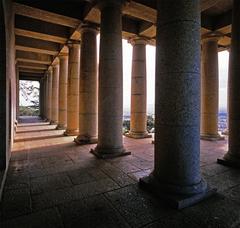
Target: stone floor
(51,182)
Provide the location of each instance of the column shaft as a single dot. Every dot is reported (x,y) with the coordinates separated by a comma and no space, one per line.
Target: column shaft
(63,79)
(46,97)
(110,103)
(50,94)
(55,92)
(232,157)
(88,87)
(176,176)
(138,123)
(209,88)
(73,88)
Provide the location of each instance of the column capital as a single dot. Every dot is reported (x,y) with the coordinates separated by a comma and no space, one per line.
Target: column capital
(72,43)
(89,27)
(50,69)
(55,62)
(138,40)
(63,55)
(104,3)
(211,36)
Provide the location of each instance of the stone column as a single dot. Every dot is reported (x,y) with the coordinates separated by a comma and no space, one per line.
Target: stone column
(55,88)
(63,79)
(46,98)
(176,176)
(209,88)
(88,86)
(110,100)
(17,95)
(49,75)
(41,98)
(138,123)
(232,157)
(73,88)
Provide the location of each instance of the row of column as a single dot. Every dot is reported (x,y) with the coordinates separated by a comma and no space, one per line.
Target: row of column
(176,176)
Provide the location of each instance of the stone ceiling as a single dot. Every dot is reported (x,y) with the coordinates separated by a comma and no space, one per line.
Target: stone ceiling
(42,28)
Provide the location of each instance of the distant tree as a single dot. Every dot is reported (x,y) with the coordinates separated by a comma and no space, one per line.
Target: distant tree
(29,92)
(150,123)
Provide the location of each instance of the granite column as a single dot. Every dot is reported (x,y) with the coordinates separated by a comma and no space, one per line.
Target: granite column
(138,123)
(73,88)
(176,177)
(55,89)
(232,157)
(49,76)
(88,86)
(209,88)
(110,100)
(63,79)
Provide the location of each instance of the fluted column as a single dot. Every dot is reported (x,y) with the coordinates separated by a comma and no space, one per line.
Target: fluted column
(88,86)
(110,101)
(209,88)
(176,176)
(55,89)
(232,157)
(63,80)
(138,123)
(49,75)
(73,88)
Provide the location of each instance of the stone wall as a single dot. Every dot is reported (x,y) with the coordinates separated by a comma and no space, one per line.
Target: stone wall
(7,84)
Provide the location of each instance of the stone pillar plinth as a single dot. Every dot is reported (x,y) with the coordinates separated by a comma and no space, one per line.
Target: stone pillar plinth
(49,76)
(232,157)
(55,88)
(176,177)
(88,86)
(73,88)
(110,100)
(63,80)
(138,123)
(209,88)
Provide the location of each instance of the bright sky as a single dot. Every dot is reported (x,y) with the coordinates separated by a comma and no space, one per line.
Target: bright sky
(223,78)
(150,50)
(127,57)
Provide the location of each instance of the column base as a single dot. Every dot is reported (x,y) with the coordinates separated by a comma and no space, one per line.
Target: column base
(175,196)
(61,127)
(136,135)
(52,122)
(107,153)
(70,132)
(229,160)
(216,137)
(85,139)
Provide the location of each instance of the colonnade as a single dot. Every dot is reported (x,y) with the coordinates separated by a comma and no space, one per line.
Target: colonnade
(90,105)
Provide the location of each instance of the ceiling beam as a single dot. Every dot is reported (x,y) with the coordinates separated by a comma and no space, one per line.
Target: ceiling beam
(32,57)
(44,15)
(40,36)
(37,29)
(35,45)
(34,71)
(140,11)
(28,65)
